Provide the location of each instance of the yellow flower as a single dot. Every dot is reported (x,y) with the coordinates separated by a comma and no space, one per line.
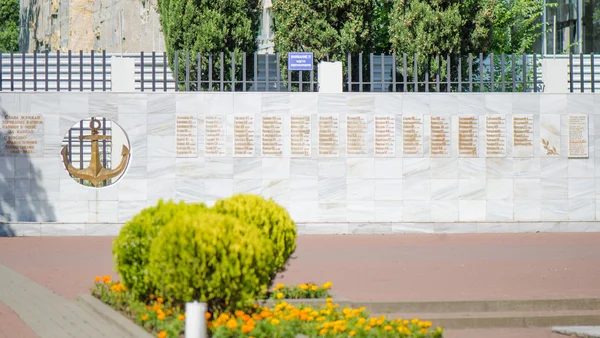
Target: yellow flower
(352,333)
(161,316)
(160,300)
(275,321)
(387,328)
(303,287)
(280,295)
(279,286)
(144,317)
(327,285)
(314,288)
(367,328)
(323,331)
(162,334)
(181,317)
(232,323)
(329,299)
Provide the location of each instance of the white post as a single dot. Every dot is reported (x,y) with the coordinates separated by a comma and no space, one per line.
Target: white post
(331,77)
(122,72)
(195,322)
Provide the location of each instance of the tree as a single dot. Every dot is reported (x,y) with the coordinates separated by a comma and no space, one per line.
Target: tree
(517,25)
(209,26)
(327,28)
(9,25)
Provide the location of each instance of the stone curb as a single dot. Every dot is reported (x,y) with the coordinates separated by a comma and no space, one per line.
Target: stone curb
(112,316)
(578,331)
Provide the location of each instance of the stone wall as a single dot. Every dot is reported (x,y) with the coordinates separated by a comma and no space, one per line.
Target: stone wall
(340,163)
(111,25)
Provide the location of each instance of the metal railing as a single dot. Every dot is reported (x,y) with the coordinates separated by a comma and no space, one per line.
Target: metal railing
(81,71)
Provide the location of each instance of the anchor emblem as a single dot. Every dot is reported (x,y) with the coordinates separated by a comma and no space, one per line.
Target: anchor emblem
(95,172)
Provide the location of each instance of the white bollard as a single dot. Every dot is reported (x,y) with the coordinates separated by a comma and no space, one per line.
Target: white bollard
(195,321)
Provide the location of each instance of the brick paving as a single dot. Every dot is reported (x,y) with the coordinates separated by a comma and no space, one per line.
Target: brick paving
(370,267)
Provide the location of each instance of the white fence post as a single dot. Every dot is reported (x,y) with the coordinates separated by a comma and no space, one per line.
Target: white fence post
(195,321)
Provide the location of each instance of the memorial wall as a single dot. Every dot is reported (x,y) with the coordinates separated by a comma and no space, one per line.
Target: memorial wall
(340,163)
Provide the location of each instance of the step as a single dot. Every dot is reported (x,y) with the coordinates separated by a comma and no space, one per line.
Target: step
(508,319)
(482,305)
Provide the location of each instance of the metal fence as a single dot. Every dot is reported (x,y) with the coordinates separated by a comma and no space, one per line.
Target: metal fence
(80,71)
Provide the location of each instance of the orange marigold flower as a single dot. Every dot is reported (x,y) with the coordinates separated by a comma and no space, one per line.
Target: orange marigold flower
(207,315)
(247,328)
(106,279)
(97,279)
(161,316)
(144,317)
(181,317)
(232,323)
(162,334)
(239,313)
(160,300)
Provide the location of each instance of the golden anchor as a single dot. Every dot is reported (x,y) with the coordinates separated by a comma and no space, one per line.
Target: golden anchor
(95,172)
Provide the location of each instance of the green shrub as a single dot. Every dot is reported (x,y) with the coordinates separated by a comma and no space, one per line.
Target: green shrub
(131,249)
(268,216)
(211,258)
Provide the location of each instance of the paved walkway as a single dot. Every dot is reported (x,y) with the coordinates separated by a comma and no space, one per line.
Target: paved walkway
(362,267)
(45,313)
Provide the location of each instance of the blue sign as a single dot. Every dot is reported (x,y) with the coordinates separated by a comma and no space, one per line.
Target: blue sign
(300,61)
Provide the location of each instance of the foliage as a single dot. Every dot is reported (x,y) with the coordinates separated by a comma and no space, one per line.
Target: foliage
(326,28)
(272,219)
(212,258)
(517,25)
(208,27)
(301,291)
(9,25)
(162,318)
(131,249)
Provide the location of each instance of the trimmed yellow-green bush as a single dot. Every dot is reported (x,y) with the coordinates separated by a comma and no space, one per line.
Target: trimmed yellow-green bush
(271,218)
(131,249)
(211,258)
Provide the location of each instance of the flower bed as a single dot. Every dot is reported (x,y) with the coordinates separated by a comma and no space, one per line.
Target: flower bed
(158,317)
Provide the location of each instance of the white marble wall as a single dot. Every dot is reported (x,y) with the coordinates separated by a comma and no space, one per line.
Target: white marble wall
(343,194)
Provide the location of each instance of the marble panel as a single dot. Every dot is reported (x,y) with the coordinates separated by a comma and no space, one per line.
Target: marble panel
(332,168)
(495,135)
(307,168)
(497,227)
(499,210)
(416,211)
(73,211)
(161,189)
(454,228)
(416,168)
(325,228)
(331,103)
(581,168)
(131,103)
(499,168)
(444,211)
(304,211)
(550,145)
(415,104)
(472,211)
(161,146)
(74,103)
(164,103)
(219,103)
(416,189)
(161,124)
(388,190)
(190,190)
(62,229)
(581,189)
(103,229)
(412,135)
(384,138)
(370,228)
(471,167)
(388,211)
(360,189)
(444,189)
(553,104)
(388,167)
(527,189)
(276,168)
(161,169)
(190,167)
(582,210)
(390,103)
(579,226)
(554,167)
(471,103)
(555,210)
(218,188)
(278,190)
(444,167)
(304,189)
(247,186)
(21,229)
(7,167)
(222,168)
(526,168)
(333,212)
(498,103)
(523,135)
(247,167)
(186,103)
(361,211)
(413,228)
(440,136)
(446,104)
(578,136)
(103,211)
(329,135)
(332,189)
(527,210)
(555,189)
(132,190)
(526,103)
(302,103)
(128,209)
(364,103)
(71,190)
(472,189)
(360,167)
(49,103)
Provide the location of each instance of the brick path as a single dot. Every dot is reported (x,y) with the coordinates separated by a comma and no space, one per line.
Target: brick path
(370,267)
(46,313)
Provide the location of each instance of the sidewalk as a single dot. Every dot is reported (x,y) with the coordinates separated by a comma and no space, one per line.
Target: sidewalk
(46,314)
